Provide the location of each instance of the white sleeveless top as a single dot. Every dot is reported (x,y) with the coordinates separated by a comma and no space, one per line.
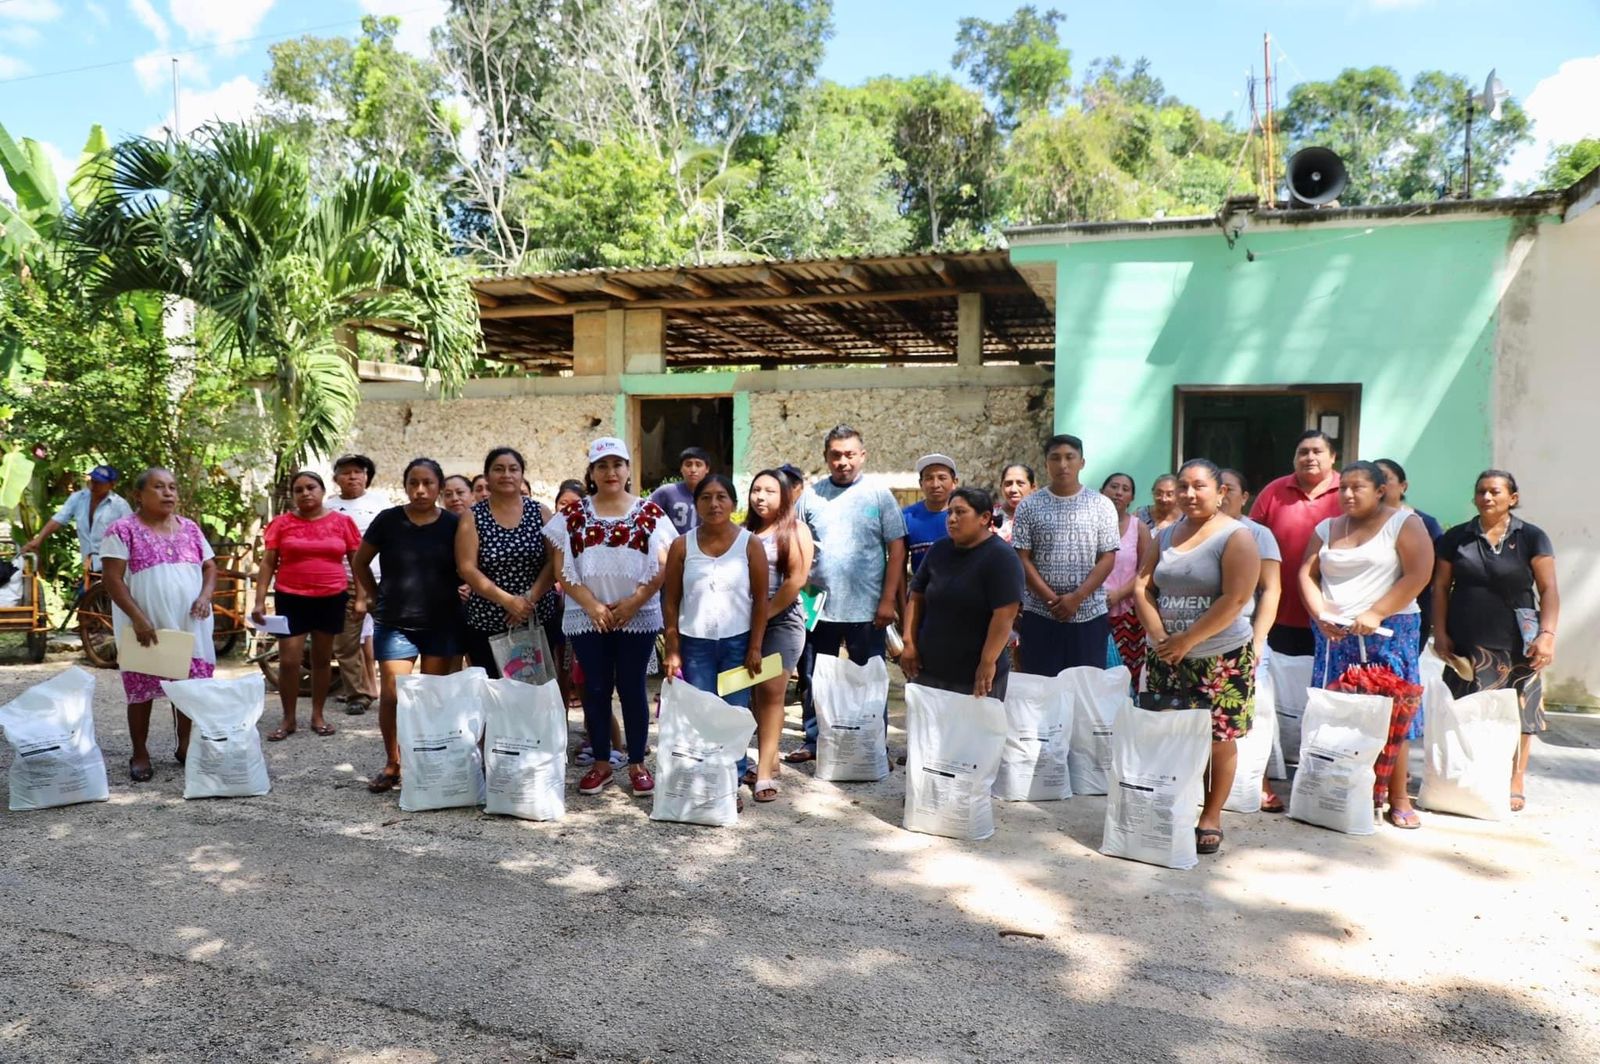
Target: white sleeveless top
(716,591)
(1355,578)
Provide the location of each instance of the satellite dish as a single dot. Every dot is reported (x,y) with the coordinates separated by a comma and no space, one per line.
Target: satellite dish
(1494,94)
(1316,176)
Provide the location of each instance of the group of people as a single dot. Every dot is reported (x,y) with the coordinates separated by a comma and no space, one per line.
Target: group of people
(962,587)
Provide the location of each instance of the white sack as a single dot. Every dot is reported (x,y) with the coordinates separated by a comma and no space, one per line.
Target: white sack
(525,749)
(1468,745)
(1033,765)
(953,748)
(439,720)
(50,727)
(697,757)
(225,758)
(1291,677)
(852,737)
(1255,751)
(1158,765)
(1099,697)
(1267,706)
(1343,736)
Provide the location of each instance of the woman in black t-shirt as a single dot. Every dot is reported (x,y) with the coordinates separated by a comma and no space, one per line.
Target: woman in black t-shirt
(1496,607)
(964,597)
(415,615)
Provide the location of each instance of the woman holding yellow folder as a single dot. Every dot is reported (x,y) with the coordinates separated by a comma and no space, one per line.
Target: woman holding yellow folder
(160,572)
(714,599)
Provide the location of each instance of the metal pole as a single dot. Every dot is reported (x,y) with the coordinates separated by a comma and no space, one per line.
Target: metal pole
(177,126)
(1466,161)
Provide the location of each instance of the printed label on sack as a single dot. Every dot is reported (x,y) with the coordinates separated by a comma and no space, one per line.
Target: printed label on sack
(520,769)
(693,774)
(444,759)
(1330,776)
(53,763)
(1041,759)
(1145,808)
(224,760)
(946,791)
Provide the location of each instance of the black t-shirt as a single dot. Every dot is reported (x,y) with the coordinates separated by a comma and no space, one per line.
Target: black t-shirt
(418,589)
(961,588)
(1488,587)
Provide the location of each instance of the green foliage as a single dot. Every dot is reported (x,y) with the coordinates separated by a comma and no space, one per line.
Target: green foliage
(605,205)
(228,221)
(1020,62)
(1570,163)
(950,145)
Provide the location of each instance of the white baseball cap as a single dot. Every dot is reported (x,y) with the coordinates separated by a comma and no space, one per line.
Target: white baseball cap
(608,447)
(937,459)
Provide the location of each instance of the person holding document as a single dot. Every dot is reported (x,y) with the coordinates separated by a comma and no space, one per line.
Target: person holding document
(714,599)
(160,573)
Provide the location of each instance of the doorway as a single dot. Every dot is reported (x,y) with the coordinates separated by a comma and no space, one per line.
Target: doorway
(1254,429)
(667,426)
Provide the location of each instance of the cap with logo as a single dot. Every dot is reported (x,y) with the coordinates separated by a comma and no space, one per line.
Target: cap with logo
(936,459)
(608,447)
(104,474)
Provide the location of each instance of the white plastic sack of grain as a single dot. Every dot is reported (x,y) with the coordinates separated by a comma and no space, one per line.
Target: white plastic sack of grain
(1099,696)
(525,749)
(852,737)
(1255,751)
(50,727)
(439,720)
(1291,677)
(1343,734)
(697,756)
(225,758)
(953,748)
(1158,763)
(1468,745)
(1033,765)
(1267,706)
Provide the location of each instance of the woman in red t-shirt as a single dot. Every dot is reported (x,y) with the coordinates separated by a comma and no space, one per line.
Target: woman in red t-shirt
(307,550)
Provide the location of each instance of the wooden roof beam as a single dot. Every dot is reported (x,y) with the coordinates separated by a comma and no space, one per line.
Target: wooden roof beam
(895,295)
(698,285)
(916,327)
(839,323)
(485,299)
(543,291)
(732,337)
(856,277)
(785,331)
(945,271)
(774,280)
(613,287)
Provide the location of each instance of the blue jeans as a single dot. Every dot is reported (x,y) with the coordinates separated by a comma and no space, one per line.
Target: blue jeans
(861,639)
(615,661)
(704,658)
(1049,645)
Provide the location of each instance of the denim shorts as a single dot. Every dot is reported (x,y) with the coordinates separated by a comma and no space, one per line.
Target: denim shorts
(405,644)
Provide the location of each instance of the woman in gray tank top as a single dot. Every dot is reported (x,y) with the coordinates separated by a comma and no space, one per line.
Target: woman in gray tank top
(1190,597)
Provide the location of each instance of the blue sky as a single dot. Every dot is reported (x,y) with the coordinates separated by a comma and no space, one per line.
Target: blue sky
(1547,51)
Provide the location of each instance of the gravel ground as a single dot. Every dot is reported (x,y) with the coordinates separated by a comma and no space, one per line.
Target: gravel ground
(320,923)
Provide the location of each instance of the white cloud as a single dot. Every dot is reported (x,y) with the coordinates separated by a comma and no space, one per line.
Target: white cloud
(145,12)
(30,11)
(219,21)
(1563,110)
(154,70)
(58,164)
(20,34)
(232,101)
(11,67)
(417,18)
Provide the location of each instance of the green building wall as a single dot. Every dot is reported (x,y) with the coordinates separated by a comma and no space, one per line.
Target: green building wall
(1405,309)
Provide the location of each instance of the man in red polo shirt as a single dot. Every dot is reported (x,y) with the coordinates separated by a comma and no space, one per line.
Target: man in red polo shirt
(1291,507)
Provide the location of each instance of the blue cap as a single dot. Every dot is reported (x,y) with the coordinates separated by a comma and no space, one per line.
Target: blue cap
(104,474)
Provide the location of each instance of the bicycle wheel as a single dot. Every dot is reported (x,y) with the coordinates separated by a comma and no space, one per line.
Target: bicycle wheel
(263,651)
(225,627)
(94,628)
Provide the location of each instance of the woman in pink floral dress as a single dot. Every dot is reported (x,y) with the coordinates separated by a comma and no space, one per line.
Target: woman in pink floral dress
(160,573)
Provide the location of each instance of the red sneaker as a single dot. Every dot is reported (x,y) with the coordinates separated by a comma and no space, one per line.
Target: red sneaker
(595,780)
(643,782)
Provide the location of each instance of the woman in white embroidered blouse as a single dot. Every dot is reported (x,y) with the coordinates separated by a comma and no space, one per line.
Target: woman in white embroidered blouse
(610,549)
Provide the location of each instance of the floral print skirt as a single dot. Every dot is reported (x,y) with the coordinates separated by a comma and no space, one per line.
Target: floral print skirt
(1224,684)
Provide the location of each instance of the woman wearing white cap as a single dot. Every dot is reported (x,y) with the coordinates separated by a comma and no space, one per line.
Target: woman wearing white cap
(610,548)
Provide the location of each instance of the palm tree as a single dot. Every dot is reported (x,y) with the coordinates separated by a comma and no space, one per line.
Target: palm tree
(227,219)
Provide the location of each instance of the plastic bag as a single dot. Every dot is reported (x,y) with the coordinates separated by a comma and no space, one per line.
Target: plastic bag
(50,727)
(523,654)
(439,721)
(1267,706)
(852,736)
(1343,735)
(1468,745)
(1099,696)
(953,748)
(525,750)
(1158,763)
(1291,678)
(225,758)
(1255,751)
(697,759)
(1033,764)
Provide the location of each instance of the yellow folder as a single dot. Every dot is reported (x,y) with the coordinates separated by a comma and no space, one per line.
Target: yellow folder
(169,658)
(739,678)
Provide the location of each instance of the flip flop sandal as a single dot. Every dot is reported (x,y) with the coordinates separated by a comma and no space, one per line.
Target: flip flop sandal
(1275,806)
(800,756)
(383,782)
(768,788)
(1201,835)
(278,736)
(1519,802)
(1406,820)
(749,778)
(326,729)
(140,775)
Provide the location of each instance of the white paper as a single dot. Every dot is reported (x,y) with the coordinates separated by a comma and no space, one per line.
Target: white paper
(276,624)
(168,658)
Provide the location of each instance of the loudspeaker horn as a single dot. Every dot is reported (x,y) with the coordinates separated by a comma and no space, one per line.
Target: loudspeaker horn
(1316,176)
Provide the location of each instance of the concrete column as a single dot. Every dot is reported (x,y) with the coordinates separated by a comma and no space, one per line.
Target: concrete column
(589,343)
(644,341)
(969,329)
